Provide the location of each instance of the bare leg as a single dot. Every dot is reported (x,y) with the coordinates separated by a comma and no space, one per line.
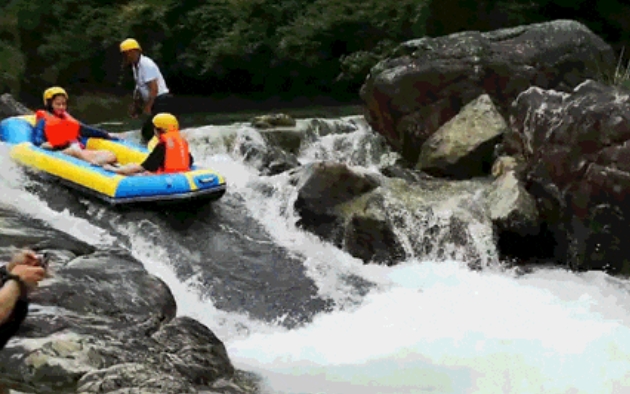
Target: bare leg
(74,152)
(100,157)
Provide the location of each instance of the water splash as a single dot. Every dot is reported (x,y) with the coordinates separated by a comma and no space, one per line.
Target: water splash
(14,182)
(443,328)
(423,327)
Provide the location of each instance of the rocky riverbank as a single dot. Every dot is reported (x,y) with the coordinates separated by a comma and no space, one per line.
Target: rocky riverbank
(504,138)
(525,102)
(102,324)
(512,128)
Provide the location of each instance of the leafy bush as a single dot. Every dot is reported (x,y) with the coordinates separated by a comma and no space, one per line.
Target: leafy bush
(271,47)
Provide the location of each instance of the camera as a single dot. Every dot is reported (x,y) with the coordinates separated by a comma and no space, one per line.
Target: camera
(44,259)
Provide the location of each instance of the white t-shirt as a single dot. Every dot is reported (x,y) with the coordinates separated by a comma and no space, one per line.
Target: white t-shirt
(146,71)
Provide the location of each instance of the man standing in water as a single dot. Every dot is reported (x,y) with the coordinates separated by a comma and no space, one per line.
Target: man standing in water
(150,86)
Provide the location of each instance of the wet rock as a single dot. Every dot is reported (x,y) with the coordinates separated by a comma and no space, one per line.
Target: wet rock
(503,165)
(11,107)
(408,97)
(324,127)
(101,323)
(130,377)
(13,232)
(515,218)
(272,120)
(203,359)
(511,207)
(576,148)
(323,189)
(442,235)
(464,146)
(268,159)
(288,140)
(370,239)
(278,161)
(409,175)
(387,220)
(324,185)
(292,138)
(369,233)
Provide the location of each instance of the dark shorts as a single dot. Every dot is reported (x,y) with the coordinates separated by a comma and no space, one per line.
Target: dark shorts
(162,103)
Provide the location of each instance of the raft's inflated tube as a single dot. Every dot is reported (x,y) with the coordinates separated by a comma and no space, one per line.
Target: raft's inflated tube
(196,184)
(17,129)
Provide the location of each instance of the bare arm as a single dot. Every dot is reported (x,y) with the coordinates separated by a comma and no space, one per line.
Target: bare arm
(9,294)
(26,266)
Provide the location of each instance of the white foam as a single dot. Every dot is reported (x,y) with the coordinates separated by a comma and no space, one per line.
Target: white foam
(13,181)
(443,328)
(427,327)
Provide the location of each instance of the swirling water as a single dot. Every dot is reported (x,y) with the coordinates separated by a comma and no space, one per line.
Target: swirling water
(310,318)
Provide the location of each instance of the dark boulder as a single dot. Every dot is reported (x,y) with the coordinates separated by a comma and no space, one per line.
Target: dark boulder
(101,323)
(427,81)
(576,147)
(10,107)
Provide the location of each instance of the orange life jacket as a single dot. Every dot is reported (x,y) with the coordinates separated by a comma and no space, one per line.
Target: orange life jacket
(59,131)
(176,155)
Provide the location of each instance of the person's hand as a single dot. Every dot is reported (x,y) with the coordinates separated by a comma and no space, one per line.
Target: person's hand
(24,257)
(30,275)
(133,110)
(147,109)
(46,145)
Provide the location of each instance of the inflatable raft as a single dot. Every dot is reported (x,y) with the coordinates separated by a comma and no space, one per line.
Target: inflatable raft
(198,184)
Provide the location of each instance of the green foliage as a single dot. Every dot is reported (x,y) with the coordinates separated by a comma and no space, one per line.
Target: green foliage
(11,68)
(272,47)
(12,62)
(236,46)
(198,31)
(620,77)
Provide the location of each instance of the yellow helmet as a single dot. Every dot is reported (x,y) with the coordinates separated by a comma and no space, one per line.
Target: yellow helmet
(129,44)
(52,92)
(165,121)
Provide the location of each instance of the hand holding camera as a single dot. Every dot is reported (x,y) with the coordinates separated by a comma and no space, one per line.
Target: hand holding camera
(29,266)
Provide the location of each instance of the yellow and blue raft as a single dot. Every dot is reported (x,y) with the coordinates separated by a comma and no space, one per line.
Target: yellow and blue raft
(196,184)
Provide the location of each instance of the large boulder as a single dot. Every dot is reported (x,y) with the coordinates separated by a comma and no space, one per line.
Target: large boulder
(102,324)
(322,187)
(272,120)
(514,215)
(409,96)
(387,220)
(268,159)
(10,107)
(577,153)
(464,146)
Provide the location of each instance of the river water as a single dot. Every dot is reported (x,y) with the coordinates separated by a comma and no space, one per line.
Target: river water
(310,318)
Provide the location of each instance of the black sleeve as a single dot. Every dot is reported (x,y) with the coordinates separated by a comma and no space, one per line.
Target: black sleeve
(13,323)
(92,132)
(155,160)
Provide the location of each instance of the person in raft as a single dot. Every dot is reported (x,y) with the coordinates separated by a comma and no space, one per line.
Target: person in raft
(55,129)
(170,155)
